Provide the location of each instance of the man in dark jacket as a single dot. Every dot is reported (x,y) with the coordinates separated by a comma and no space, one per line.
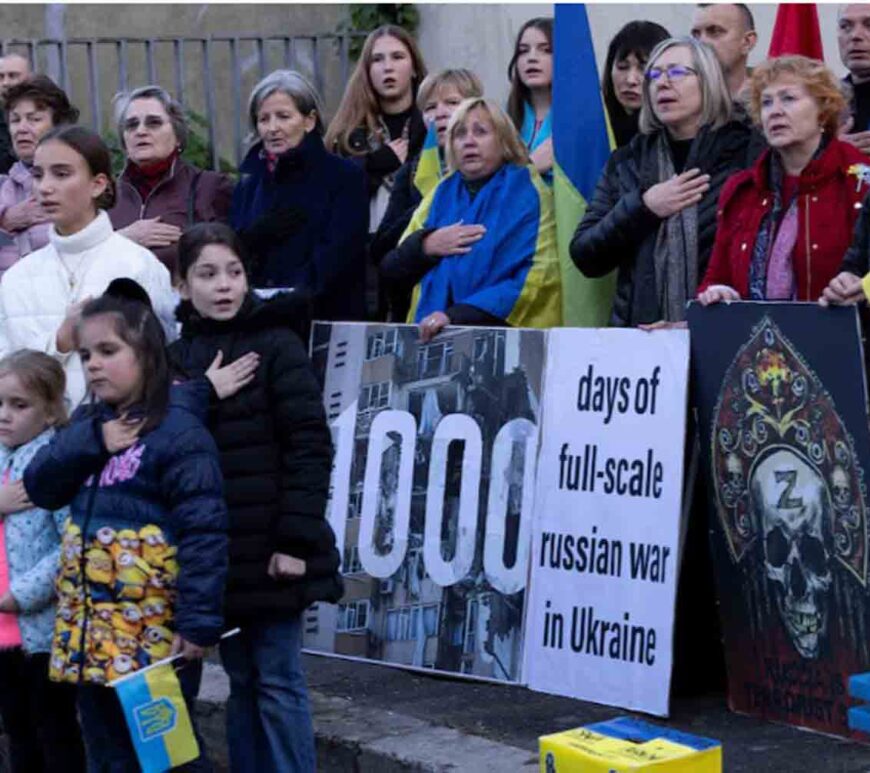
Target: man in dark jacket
(729,29)
(853,37)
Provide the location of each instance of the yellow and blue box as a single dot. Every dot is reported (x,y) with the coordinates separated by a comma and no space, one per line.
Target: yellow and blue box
(626,744)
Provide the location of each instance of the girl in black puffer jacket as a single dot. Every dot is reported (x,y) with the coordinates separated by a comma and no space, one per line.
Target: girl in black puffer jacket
(267,417)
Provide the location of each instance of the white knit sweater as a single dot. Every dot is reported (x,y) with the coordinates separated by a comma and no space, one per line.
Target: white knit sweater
(36,292)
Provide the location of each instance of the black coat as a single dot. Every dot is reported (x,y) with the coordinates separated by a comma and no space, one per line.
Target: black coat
(306,225)
(379,161)
(276,454)
(404,200)
(619,232)
(857,257)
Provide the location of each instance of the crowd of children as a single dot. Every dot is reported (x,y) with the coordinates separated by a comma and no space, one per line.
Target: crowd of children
(184,495)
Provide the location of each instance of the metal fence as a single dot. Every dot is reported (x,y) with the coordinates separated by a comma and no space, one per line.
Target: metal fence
(210,76)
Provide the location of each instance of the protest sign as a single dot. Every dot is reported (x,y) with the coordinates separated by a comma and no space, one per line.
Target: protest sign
(605,550)
(781,397)
(432,493)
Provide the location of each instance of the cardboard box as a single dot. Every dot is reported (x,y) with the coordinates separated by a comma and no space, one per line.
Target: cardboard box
(626,744)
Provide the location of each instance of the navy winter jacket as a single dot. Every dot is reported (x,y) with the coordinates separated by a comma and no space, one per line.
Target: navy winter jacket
(306,225)
(145,552)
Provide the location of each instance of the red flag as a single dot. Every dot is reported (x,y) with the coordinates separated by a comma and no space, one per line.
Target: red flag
(796,31)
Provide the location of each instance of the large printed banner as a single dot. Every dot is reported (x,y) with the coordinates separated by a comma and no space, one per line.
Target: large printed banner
(782,408)
(605,552)
(432,494)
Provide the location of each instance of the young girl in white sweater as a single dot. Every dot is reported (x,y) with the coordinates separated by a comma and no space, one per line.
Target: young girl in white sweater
(42,295)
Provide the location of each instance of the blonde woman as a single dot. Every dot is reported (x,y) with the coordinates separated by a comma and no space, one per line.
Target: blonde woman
(438,97)
(481,246)
(377,123)
(653,214)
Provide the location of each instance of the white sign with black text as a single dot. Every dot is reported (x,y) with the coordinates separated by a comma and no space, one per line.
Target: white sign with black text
(606,532)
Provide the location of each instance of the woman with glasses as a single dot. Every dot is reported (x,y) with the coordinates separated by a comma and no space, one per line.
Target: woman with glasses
(159,194)
(653,214)
(787,222)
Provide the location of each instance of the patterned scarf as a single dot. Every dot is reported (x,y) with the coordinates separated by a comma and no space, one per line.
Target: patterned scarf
(676,248)
(777,235)
(771,272)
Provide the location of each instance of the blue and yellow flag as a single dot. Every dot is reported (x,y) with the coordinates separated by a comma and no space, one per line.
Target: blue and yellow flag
(582,144)
(512,273)
(157,718)
(429,167)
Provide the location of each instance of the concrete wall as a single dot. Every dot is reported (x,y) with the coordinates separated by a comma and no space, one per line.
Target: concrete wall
(477,36)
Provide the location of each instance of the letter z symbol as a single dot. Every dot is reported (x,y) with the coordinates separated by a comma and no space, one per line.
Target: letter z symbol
(789,477)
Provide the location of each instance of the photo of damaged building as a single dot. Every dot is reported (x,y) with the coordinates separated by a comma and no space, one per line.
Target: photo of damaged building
(493,377)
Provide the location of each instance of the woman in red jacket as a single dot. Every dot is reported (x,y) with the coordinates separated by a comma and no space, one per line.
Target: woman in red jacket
(785,223)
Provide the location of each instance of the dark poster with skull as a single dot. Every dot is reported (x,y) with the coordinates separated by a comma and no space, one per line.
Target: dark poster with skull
(781,398)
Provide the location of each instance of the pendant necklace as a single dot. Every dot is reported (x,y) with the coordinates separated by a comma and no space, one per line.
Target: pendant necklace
(70,275)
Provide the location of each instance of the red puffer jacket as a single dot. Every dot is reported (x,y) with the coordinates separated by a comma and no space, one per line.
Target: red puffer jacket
(830,192)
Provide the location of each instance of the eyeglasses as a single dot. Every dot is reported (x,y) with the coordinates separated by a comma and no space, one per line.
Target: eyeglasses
(675,72)
(152,122)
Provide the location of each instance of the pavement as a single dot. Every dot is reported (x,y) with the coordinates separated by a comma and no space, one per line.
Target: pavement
(377,719)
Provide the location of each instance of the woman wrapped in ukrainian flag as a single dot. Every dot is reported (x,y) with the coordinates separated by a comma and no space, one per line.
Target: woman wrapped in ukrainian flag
(481,247)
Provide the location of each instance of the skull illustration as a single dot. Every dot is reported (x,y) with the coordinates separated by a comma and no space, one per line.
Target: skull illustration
(733,484)
(735,471)
(840,487)
(790,499)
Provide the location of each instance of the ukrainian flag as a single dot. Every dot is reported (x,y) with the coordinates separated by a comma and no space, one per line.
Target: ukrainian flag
(429,167)
(582,143)
(157,718)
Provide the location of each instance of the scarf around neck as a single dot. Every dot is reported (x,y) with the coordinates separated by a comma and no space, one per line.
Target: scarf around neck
(676,249)
(146,177)
(531,138)
(771,272)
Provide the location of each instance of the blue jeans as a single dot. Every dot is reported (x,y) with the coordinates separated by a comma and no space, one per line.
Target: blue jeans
(107,739)
(268,718)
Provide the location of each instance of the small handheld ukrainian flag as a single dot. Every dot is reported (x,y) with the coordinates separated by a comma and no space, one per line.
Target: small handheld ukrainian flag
(157,718)
(429,167)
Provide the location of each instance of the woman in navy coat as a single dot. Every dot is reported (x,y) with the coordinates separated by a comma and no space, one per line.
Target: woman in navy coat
(301,211)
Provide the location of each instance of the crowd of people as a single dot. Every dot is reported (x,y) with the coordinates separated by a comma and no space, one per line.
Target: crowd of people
(164,448)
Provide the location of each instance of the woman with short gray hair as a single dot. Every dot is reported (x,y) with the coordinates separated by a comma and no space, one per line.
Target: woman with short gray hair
(301,211)
(653,215)
(159,194)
